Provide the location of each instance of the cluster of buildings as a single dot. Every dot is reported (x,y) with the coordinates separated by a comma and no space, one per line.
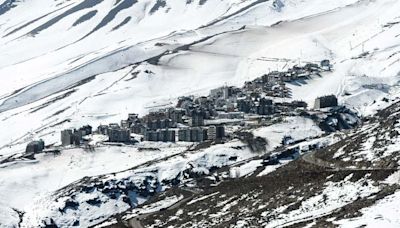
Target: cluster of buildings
(75,136)
(162,135)
(273,84)
(189,120)
(185,123)
(115,133)
(198,119)
(199,134)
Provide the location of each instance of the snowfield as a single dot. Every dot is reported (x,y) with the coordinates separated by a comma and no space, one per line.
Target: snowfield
(69,63)
(362,50)
(298,128)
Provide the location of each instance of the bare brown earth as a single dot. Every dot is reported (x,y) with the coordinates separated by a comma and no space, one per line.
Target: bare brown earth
(250,197)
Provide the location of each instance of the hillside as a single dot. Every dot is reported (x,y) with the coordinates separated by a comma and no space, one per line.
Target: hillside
(326,188)
(66,64)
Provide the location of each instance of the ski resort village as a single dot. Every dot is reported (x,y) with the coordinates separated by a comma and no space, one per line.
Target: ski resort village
(204,119)
(199,113)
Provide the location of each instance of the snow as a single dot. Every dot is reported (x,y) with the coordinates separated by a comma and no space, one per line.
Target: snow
(202,198)
(249,167)
(52,50)
(393,178)
(298,128)
(38,71)
(378,143)
(49,173)
(246,169)
(339,152)
(268,169)
(271,168)
(334,195)
(161,170)
(87,215)
(367,150)
(232,57)
(8,217)
(384,213)
(96,139)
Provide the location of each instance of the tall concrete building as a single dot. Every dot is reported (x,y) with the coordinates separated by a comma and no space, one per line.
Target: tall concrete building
(197,119)
(70,137)
(326,102)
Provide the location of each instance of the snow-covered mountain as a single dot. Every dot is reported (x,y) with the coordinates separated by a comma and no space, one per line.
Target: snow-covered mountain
(66,63)
(47,59)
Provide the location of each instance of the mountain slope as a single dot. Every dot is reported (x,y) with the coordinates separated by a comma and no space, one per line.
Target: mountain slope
(263,50)
(325,188)
(70,63)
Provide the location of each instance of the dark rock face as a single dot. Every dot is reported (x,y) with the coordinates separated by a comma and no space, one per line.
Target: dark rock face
(7,6)
(85,17)
(69,204)
(340,118)
(81,6)
(112,14)
(94,202)
(256,144)
(159,4)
